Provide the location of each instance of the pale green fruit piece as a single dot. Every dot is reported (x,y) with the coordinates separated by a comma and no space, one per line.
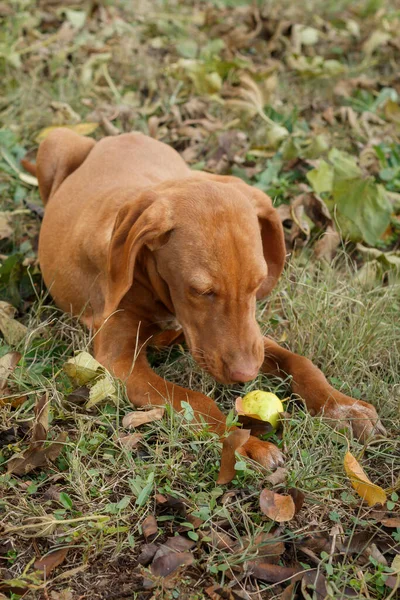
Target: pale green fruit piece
(265,405)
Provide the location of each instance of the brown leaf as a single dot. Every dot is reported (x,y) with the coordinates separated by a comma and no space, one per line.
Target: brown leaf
(8,436)
(79,396)
(168,563)
(222,540)
(147,554)
(256,426)
(41,424)
(13,331)
(315,581)
(269,548)
(278,476)
(391,522)
(6,230)
(289,592)
(368,491)
(276,506)
(298,498)
(233,442)
(273,573)
(216,592)
(141,417)
(8,362)
(51,561)
(326,246)
(130,441)
(179,543)
(170,502)
(150,528)
(196,522)
(356,543)
(35,457)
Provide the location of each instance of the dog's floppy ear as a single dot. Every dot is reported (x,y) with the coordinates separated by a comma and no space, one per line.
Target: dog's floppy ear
(59,155)
(145,221)
(273,240)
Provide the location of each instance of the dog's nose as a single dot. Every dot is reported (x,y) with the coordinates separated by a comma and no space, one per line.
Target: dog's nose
(243,373)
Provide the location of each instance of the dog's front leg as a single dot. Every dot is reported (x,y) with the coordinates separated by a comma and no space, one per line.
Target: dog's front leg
(117,348)
(146,387)
(320,397)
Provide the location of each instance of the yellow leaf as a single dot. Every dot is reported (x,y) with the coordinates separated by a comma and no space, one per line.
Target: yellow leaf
(368,491)
(102,389)
(82,368)
(81,128)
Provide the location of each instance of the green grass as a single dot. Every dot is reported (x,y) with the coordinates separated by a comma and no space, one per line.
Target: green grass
(123,63)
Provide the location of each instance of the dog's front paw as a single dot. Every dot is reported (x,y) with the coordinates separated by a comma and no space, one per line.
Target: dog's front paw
(357,415)
(265,453)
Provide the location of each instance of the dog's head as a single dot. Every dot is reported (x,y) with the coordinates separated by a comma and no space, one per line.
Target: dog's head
(214,248)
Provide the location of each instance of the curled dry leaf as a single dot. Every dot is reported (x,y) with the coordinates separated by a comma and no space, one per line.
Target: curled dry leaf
(147,554)
(233,442)
(166,564)
(273,573)
(368,491)
(41,424)
(6,230)
(51,561)
(278,476)
(150,528)
(130,441)
(8,362)
(102,389)
(141,417)
(13,331)
(170,502)
(178,543)
(391,522)
(82,368)
(298,498)
(276,506)
(35,457)
(313,584)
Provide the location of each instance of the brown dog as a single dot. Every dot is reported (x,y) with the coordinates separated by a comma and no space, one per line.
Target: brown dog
(133,241)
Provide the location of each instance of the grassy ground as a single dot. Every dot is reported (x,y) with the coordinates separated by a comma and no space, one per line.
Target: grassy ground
(125,66)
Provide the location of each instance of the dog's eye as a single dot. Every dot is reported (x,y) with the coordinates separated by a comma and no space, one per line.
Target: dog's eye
(202,293)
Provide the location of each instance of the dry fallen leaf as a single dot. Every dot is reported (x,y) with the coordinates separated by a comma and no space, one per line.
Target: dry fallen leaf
(368,491)
(276,506)
(5,227)
(233,442)
(130,441)
(273,573)
(392,522)
(298,498)
(278,476)
(8,362)
(51,561)
(141,417)
(178,543)
(35,457)
(166,564)
(13,331)
(41,424)
(147,553)
(315,581)
(150,528)
(82,368)
(102,389)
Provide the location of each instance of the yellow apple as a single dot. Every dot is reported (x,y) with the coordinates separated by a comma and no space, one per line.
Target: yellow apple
(265,405)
